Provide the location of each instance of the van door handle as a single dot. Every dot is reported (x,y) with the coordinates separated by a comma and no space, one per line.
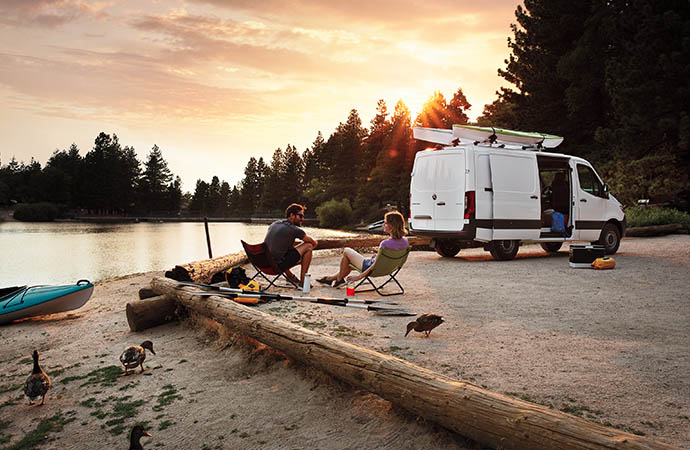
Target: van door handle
(533,196)
(583,200)
(441,204)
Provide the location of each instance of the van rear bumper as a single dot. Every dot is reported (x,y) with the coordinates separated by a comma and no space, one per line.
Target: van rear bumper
(468,233)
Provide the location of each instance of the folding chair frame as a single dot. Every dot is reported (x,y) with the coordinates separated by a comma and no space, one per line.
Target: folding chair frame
(391,277)
(273,266)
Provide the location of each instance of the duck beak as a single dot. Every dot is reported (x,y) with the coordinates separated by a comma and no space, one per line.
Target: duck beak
(146,433)
(153,351)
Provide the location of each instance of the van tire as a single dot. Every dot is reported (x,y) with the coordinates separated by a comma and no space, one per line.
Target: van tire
(504,250)
(551,247)
(610,238)
(447,248)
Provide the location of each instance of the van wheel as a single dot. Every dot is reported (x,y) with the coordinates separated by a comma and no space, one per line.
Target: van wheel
(610,238)
(551,247)
(447,248)
(504,250)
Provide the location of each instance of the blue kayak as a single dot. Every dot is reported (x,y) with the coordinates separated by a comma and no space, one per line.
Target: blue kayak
(18,302)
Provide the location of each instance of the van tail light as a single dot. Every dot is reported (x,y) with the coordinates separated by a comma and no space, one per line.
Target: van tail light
(469,204)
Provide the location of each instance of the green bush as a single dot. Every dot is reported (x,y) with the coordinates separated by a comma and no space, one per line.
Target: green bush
(643,216)
(334,213)
(36,212)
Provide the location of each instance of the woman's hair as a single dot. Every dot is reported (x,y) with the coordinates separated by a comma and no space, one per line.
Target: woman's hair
(397,223)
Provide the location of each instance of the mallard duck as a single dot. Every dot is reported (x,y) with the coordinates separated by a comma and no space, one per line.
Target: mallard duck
(135,355)
(425,323)
(137,433)
(38,382)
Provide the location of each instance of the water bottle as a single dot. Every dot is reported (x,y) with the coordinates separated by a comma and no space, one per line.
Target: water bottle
(307,283)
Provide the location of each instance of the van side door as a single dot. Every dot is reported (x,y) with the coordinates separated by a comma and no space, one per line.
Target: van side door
(590,202)
(515,184)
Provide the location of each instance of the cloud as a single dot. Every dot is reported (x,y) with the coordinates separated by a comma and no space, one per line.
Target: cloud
(49,13)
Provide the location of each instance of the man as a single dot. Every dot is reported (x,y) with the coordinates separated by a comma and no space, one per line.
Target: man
(280,240)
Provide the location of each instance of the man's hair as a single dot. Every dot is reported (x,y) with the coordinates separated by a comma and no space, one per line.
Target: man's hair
(294,208)
(397,224)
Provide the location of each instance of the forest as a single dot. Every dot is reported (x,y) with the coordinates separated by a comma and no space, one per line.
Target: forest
(612,77)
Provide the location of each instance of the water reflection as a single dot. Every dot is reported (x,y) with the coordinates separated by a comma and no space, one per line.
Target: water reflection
(60,253)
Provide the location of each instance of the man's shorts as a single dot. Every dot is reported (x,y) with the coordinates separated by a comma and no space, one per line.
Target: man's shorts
(291,258)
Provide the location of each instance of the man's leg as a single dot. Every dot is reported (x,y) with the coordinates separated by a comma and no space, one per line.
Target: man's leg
(305,251)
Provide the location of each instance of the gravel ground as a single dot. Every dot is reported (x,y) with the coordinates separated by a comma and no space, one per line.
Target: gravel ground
(611,346)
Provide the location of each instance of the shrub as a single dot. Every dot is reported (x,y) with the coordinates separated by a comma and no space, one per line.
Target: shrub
(642,216)
(334,213)
(36,212)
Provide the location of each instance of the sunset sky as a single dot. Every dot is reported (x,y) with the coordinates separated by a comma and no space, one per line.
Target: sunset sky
(213,82)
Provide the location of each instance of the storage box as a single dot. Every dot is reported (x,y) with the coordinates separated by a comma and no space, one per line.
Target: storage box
(582,256)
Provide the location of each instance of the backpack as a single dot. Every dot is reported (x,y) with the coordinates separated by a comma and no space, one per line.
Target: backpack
(236,276)
(557,222)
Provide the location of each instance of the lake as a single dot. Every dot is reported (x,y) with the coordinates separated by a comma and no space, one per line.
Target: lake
(62,253)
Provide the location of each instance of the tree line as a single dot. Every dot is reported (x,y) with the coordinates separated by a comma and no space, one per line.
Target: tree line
(610,76)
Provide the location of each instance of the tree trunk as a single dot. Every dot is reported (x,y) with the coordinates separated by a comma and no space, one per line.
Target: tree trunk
(202,271)
(486,417)
(364,242)
(655,230)
(149,313)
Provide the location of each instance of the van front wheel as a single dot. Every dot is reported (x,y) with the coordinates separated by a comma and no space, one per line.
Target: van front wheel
(610,238)
(447,248)
(504,250)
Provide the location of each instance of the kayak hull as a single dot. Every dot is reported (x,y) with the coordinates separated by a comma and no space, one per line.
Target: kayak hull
(42,300)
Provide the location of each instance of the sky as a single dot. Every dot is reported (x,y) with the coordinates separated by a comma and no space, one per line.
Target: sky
(213,82)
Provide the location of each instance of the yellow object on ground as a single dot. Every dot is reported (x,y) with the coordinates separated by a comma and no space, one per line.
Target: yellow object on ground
(604,263)
(251,286)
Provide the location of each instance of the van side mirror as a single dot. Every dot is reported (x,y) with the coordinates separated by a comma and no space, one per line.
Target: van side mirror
(606,190)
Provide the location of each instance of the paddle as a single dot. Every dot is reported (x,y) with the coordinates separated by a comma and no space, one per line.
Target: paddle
(269,295)
(381,310)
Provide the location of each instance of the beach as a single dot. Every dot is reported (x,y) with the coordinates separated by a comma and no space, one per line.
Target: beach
(609,346)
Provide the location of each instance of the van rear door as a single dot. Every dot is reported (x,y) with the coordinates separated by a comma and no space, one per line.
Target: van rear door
(437,191)
(449,205)
(516,208)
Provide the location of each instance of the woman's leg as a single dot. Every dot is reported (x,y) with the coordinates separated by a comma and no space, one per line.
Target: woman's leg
(350,256)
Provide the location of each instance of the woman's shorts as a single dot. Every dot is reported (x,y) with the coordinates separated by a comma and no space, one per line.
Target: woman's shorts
(367,263)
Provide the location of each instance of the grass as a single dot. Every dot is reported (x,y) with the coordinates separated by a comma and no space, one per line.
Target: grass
(165,424)
(42,432)
(121,411)
(106,376)
(341,331)
(165,398)
(643,216)
(5,438)
(60,370)
(11,387)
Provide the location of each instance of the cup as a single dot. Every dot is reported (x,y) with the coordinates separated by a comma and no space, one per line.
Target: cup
(307,283)
(350,290)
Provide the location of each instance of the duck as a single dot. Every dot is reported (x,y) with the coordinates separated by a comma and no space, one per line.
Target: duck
(424,323)
(38,382)
(137,433)
(135,355)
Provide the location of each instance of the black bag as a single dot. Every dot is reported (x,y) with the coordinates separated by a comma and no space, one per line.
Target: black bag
(236,276)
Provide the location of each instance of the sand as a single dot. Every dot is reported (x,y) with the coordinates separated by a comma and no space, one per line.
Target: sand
(611,346)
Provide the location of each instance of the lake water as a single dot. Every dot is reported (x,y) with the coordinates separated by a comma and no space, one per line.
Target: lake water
(62,253)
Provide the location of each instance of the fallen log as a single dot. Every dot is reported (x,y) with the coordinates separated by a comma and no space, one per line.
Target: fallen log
(202,271)
(484,416)
(149,313)
(654,230)
(360,242)
(146,292)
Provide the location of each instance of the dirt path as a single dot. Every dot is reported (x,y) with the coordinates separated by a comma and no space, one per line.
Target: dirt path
(611,346)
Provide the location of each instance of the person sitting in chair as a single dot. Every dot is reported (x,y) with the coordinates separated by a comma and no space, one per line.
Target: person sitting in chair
(280,240)
(394,225)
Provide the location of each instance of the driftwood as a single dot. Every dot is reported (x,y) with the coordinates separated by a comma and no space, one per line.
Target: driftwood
(484,416)
(655,230)
(146,292)
(149,313)
(202,271)
(364,242)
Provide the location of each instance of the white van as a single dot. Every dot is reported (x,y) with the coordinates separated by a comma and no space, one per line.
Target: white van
(490,186)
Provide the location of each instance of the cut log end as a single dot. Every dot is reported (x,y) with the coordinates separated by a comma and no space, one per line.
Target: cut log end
(151,312)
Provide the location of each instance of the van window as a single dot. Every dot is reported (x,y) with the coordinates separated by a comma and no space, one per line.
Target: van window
(425,173)
(589,181)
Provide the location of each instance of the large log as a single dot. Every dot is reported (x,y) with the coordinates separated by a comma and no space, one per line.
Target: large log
(149,313)
(360,242)
(202,271)
(655,230)
(484,416)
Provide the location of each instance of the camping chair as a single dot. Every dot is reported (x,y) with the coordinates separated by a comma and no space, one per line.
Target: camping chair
(262,261)
(388,262)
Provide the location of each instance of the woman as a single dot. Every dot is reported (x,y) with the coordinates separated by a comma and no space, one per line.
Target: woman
(394,225)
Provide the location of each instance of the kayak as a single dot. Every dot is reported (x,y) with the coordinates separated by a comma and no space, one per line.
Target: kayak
(18,302)
(500,135)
